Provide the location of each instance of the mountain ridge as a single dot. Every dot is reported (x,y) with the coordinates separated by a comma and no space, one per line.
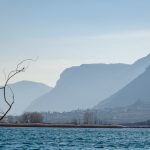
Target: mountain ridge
(83,86)
(24,92)
(138,89)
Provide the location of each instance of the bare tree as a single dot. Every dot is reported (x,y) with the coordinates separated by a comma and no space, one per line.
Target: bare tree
(31,117)
(21,67)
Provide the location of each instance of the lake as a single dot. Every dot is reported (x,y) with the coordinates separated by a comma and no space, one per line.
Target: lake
(14,138)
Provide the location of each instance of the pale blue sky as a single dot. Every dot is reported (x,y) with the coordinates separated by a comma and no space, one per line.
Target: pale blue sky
(63,33)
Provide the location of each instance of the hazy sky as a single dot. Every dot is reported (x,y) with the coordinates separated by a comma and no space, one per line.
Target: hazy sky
(64,33)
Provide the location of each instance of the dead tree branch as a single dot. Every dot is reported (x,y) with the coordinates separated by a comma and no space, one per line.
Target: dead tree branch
(19,68)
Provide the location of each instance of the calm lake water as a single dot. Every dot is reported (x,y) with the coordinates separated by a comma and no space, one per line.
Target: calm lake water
(73,139)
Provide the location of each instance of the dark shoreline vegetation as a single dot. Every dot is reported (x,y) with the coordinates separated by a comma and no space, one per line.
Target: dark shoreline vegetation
(70,125)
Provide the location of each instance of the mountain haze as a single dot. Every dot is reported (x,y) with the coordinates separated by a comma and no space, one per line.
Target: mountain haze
(84,86)
(25,92)
(138,89)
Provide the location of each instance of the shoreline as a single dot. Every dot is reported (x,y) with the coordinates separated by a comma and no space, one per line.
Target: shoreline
(70,125)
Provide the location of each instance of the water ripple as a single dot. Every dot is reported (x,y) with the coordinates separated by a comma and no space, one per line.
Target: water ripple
(73,139)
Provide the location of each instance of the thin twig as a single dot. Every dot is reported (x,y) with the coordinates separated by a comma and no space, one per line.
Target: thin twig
(12,74)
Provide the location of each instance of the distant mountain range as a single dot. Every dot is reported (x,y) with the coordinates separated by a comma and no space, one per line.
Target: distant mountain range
(84,86)
(25,92)
(138,89)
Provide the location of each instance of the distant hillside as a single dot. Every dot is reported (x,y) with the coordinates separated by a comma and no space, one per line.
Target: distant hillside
(139,111)
(25,92)
(79,87)
(138,89)
(86,85)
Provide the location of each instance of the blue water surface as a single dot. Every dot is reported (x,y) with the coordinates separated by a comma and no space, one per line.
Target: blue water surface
(14,138)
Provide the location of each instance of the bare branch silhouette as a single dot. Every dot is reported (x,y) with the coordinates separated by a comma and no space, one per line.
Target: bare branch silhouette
(19,68)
